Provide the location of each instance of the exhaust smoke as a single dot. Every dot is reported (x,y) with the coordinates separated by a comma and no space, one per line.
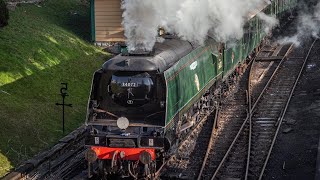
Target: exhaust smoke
(190,20)
(308,25)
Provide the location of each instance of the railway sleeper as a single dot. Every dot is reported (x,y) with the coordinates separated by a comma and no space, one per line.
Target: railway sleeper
(233,109)
(270,110)
(273,98)
(264,111)
(231,104)
(262,125)
(270,105)
(265,120)
(231,173)
(239,152)
(264,136)
(234,166)
(261,144)
(281,86)
(227,177)
(257,155)
(256,162)
(261,132)
(281,92)
(274,114)
(231,117)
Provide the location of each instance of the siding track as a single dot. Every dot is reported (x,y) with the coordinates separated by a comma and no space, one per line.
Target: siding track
(248,155)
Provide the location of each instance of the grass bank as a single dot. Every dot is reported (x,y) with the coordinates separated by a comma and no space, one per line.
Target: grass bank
(43,46)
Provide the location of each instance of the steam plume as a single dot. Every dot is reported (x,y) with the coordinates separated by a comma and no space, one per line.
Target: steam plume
(308,25)
(191,20)
(269,21)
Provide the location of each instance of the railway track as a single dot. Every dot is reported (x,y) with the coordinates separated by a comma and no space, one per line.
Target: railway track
(176,164)
(271,108)
(64,167)
(232,115)
(60,162)
(211,148)
(248,154)
(235,161)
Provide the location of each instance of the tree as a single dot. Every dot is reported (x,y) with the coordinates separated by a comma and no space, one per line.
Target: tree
(4,14)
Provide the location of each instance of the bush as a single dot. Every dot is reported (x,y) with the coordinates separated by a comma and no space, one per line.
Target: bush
(4,14)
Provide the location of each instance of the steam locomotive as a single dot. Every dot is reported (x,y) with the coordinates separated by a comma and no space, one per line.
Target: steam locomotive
(142,104)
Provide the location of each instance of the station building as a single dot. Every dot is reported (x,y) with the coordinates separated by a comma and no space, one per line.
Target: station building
(106,18)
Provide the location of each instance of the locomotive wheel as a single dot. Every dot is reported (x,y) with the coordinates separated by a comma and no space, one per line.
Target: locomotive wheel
(114,162)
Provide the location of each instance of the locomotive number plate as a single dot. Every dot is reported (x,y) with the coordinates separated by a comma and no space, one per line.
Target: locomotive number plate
(96,140)
(151,142)
(129,84)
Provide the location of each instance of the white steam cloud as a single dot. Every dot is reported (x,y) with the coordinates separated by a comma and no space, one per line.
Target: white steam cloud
(269,21)
(308,25)
(191,20)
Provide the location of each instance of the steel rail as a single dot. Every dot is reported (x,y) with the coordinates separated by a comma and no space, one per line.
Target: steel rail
(209,145)
(230,147)
(239,132)
(271,78)
(250,125)
(212,135)
(254,107)
(285,109)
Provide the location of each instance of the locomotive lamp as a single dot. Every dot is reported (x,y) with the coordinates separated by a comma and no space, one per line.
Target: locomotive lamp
(123,123)
(161,31)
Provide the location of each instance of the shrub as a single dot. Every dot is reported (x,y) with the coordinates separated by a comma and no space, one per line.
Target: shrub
(4,14)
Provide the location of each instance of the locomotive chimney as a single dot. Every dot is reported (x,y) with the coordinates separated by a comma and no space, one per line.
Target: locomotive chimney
(136,52)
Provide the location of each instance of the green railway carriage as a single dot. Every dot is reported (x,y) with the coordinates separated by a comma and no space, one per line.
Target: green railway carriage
(195,73)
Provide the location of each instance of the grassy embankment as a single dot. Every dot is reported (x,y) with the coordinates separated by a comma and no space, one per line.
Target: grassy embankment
(42,47)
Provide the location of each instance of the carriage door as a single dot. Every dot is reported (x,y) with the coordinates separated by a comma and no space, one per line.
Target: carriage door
(219,59)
